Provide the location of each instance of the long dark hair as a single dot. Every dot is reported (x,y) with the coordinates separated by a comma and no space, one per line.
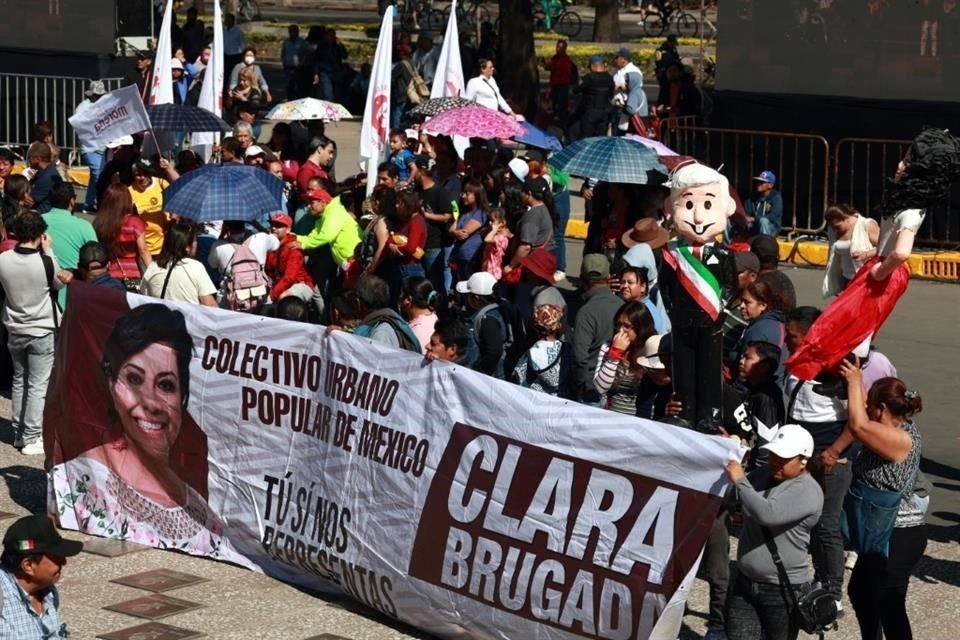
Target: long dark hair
(642,322)
(176,243)
(115,205)
(476,189)
(932,165)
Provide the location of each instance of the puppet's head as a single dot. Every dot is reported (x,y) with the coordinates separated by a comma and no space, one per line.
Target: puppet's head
(699,203)
(925,174)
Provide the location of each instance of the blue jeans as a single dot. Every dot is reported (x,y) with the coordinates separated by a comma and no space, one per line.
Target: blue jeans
(432,262)
(325,87)
(447,271)
(397,109)
(562,202)
(767,227)
(94,160)
(32,363)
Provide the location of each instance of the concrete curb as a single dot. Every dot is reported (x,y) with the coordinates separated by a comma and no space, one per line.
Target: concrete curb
(943,266)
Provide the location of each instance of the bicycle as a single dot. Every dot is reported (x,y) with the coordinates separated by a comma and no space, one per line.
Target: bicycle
(656,23)
(248,10)
(469,15)
(563,21)
(427,17)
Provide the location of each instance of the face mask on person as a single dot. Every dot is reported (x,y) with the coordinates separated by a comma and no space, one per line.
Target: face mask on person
(249,59)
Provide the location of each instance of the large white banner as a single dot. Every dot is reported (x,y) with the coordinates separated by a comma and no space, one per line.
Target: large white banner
(448,81)
(211,91)
(457,503)
(118,113)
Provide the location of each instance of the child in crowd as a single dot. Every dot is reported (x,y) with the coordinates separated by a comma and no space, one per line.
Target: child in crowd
(495,243)
(544,366)
(402,158)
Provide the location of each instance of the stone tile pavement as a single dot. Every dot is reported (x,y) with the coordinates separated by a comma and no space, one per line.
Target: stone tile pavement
(240,604)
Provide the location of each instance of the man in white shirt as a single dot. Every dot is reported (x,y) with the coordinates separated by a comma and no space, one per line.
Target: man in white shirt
(92,150)
(628,81)
(233,43)
(484,90)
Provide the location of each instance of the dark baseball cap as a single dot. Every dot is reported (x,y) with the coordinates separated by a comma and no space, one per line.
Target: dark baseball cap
(595,266)
(747,261)
(624,53)
(36,534)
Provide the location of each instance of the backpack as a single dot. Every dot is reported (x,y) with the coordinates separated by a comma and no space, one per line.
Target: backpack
(368,242)
(417,89)
(405,336)
(506,332)
(245,284)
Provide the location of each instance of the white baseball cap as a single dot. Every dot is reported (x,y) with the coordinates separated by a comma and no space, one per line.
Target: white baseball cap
(791,440)
(254,150)
(122,141)
(520,168)
(480,283)
(176,64)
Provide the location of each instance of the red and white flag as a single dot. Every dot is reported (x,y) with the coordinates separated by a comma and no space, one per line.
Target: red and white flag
(448,80)
(376,113)
(162,90)
(211,92)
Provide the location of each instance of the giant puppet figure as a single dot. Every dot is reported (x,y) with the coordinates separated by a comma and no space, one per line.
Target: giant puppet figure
(922,180)
(698,276)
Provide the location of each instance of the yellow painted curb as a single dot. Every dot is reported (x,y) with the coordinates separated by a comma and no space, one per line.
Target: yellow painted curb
(943,266)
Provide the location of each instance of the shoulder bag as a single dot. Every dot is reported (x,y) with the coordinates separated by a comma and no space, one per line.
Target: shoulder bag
(869,516)
(816,610)
(54,296)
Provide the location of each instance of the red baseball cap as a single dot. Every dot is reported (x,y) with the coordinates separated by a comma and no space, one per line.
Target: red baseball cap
(281,220)
(318,194)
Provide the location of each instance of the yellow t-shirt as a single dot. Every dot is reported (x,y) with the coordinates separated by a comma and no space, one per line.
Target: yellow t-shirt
(149,204)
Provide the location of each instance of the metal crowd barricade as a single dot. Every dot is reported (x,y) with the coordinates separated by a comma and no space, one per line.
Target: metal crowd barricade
(861,171)
(800,161)
(28,99)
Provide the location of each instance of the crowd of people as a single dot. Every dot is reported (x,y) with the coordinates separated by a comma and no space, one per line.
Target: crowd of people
(457,259)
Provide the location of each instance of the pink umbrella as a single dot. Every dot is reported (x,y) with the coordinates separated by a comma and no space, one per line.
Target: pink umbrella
(657,147)
(473,121)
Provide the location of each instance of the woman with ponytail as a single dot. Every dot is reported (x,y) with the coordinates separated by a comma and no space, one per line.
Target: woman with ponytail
(886,469)
(418,304)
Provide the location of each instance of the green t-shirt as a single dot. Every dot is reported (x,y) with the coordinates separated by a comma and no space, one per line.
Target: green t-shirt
(68,233)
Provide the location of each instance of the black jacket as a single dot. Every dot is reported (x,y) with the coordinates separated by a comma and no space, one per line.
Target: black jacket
(684,310)
(595,90)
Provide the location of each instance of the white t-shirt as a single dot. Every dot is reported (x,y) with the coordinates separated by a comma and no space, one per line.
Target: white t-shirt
(260,244)
(486,92)
(188,281)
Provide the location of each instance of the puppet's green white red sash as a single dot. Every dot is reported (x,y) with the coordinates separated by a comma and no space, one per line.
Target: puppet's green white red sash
(695,278)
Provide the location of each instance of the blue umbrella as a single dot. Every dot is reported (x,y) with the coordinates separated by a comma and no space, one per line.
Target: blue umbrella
(224,192)
(533,137)
(611,160)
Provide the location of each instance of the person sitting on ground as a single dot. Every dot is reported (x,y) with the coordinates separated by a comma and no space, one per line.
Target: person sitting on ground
(618,375)
(767,251)
(92,267)
(449,342)
(593,325)
(418,302)
(34,555)
(175,274)
(764,208)
(545,366)
(378,321)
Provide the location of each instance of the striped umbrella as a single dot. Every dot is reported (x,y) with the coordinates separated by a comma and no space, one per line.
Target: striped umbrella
(611,160)
(224,192)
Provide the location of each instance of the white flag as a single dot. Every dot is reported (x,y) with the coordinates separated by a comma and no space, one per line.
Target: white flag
(376,114)
(211,92)
(448,80)
(162,90)
(118,113)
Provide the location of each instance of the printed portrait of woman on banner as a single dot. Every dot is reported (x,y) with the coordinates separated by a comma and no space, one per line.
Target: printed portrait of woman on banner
(146,478)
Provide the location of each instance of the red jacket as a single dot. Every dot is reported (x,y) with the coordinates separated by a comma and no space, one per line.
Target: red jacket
(562,70)
(286,267)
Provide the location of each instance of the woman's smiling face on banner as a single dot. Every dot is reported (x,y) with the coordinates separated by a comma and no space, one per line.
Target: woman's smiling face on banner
(147,395)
